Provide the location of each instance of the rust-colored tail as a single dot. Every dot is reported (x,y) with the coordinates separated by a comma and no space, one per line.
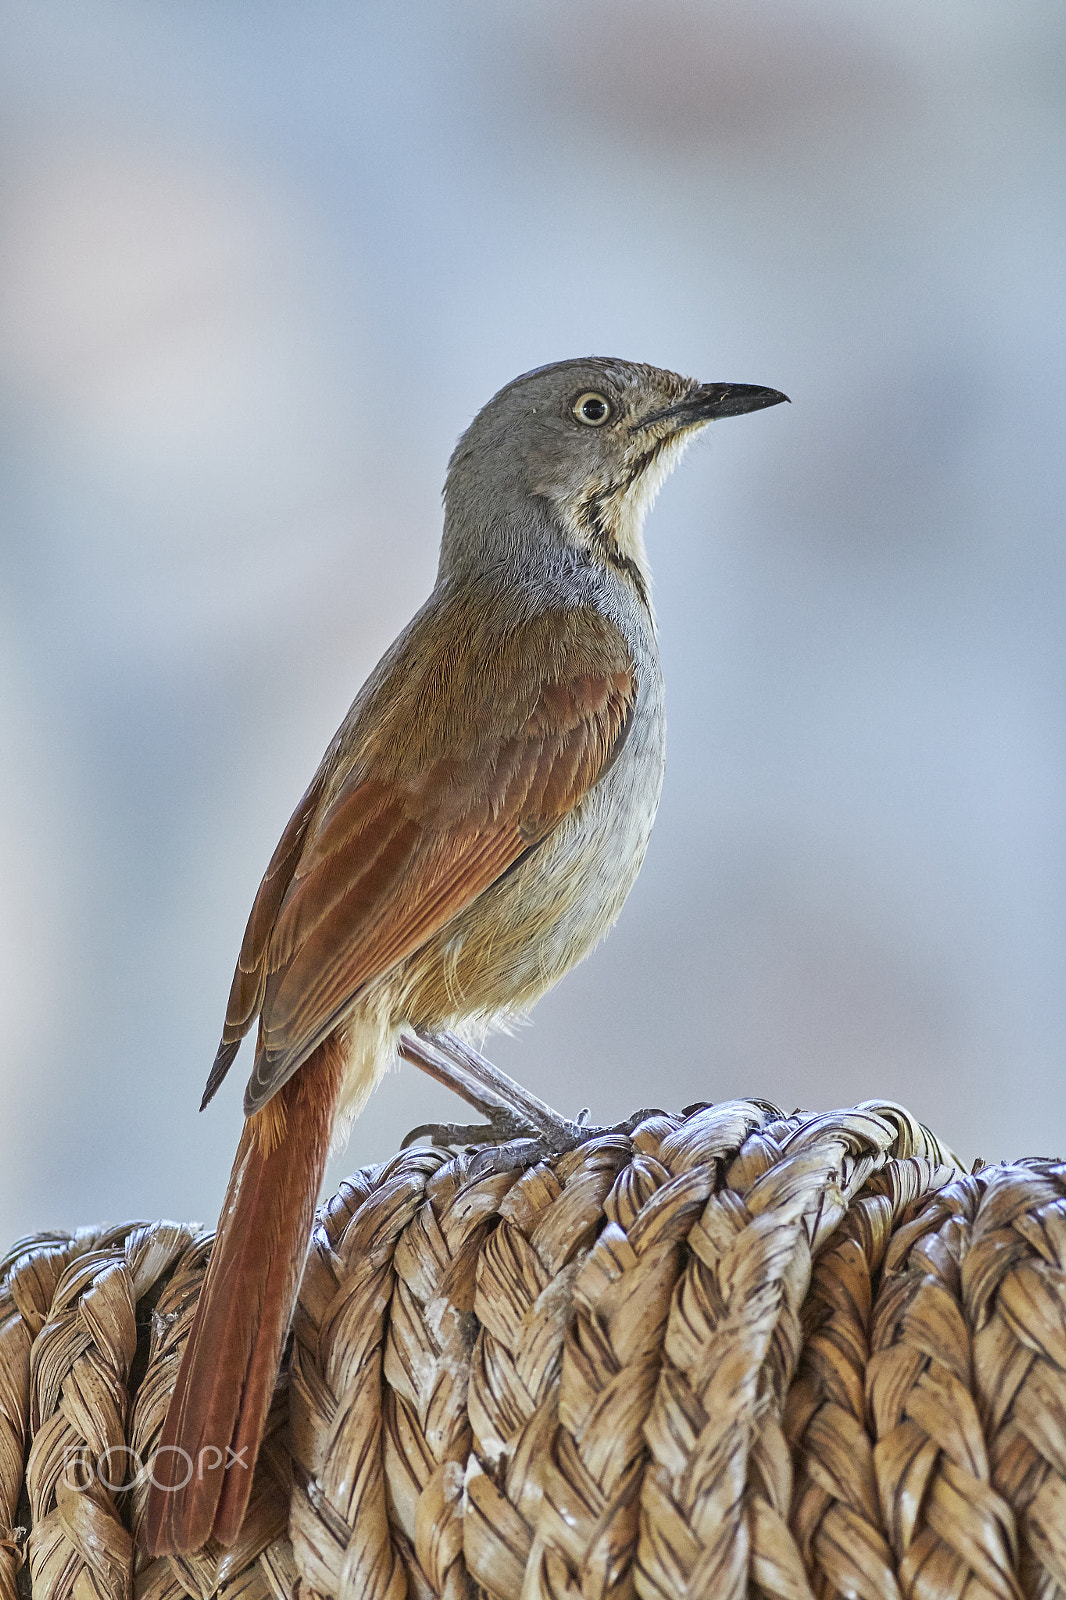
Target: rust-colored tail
(202,1475)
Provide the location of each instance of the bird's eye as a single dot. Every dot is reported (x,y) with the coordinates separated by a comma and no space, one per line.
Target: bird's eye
(592,409)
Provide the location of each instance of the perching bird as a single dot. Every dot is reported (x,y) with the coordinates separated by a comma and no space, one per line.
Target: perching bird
(471,834)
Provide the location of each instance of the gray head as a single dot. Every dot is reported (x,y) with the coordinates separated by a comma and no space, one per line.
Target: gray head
(578,451)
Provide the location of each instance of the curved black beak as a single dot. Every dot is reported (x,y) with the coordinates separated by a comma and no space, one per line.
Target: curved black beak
(712,400)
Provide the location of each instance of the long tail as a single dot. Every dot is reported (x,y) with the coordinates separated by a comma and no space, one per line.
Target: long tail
(202,1475)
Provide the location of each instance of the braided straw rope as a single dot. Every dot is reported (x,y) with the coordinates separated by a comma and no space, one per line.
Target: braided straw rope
(727,1353)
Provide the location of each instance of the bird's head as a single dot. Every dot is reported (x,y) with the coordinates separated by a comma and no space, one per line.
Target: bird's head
(592,440)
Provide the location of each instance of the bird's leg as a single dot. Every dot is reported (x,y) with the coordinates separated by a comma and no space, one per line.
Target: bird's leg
(511,1111)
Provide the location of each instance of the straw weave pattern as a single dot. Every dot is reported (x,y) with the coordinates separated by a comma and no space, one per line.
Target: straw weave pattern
(725,1354)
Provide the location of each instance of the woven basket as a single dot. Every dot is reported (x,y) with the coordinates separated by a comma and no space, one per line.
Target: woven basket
(731,1353)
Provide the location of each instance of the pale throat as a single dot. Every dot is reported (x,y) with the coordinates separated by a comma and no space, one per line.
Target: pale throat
(609,518)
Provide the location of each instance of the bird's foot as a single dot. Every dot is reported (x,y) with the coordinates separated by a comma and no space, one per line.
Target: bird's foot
(512,1113)
(500,1127)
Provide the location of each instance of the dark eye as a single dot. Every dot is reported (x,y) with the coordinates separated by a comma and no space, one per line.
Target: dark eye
(592,409)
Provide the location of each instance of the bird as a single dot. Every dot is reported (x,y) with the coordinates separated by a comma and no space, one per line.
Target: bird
(471,833)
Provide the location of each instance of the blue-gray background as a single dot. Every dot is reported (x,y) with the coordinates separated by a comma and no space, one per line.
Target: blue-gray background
(258,267)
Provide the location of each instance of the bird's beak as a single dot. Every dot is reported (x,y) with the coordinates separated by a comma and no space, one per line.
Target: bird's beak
(712,400)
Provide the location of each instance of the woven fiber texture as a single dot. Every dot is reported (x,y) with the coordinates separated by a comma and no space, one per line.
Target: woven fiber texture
(726,1354)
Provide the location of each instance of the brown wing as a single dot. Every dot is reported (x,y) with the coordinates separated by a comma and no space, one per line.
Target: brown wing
(480,751)
(249,980)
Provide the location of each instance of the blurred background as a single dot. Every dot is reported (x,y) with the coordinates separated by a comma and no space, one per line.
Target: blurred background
(259,265)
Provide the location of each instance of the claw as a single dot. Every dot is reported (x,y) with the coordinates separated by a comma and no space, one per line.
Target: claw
(502,1128)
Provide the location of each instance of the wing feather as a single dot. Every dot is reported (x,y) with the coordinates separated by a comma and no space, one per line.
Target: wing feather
(249,979)
(461,778)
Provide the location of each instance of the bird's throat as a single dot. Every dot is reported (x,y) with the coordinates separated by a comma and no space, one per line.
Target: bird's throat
(613,538)
(609,517)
